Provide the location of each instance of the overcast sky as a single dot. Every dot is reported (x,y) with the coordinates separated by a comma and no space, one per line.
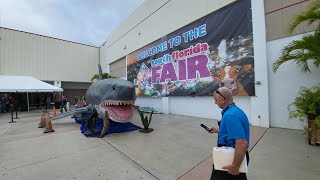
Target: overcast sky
(83,21)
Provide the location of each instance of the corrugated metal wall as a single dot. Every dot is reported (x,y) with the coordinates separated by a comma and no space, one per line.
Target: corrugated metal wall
(46,58)
(119,68)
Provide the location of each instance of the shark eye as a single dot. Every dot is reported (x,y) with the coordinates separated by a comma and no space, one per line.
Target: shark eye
(113,87)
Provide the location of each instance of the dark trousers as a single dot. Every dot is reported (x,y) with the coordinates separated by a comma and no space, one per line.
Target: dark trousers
(224,175)
(65,108)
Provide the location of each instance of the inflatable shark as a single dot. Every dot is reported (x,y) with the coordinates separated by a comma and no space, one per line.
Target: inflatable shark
(107,99)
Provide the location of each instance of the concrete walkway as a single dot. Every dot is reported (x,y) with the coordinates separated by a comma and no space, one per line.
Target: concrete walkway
(178,148)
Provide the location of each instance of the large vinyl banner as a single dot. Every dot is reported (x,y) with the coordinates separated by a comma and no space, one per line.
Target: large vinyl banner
(214,51)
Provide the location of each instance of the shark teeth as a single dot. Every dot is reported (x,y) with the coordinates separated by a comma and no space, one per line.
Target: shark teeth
(117,103)
(121,114)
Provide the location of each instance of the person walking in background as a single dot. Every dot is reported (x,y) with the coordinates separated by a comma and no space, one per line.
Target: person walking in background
(234,131)
(2,105)
(7,105)
(80,103)
(10,104)
(57,100)
(64,103)
(48,101)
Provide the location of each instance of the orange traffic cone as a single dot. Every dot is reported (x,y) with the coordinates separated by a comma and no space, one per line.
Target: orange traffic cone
(48,125)
(54,111)
(42,123)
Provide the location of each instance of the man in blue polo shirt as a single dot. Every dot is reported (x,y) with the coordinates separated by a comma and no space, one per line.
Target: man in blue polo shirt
(234,131)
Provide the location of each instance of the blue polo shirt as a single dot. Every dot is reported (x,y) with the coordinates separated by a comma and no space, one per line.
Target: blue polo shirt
(234,125)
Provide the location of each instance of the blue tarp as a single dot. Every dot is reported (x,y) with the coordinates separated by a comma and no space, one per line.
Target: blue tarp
(114,127)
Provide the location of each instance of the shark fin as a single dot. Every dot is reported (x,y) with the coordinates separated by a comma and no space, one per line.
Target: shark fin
(100,72)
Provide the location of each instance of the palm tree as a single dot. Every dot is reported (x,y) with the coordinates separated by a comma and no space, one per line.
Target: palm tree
(300,51)
(307,48)
(104,76)
(310,16)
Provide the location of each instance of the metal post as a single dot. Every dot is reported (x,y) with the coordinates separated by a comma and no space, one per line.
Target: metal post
(16,112)
(28,100)
(45,100)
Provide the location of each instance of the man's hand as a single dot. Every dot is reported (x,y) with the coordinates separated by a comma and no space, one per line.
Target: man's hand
(240,152)
(213,130)
(232,169)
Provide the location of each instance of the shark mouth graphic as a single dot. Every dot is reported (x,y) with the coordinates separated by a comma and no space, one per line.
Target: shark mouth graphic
(119,111)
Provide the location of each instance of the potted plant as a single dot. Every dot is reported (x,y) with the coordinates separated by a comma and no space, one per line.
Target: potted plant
(145,121)
(307,106)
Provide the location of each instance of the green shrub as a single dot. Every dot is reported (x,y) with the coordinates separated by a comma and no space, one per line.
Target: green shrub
(306,105)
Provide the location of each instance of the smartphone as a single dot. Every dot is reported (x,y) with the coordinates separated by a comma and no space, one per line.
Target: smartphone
(205,127)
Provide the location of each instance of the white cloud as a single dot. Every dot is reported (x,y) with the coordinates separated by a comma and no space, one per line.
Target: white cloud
(82,21)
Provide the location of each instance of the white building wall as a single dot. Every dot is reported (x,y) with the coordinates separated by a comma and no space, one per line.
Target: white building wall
(156,103)
(154,19)
(152,24)
(285,84)
(259,112)
(203,106)
(46,58)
